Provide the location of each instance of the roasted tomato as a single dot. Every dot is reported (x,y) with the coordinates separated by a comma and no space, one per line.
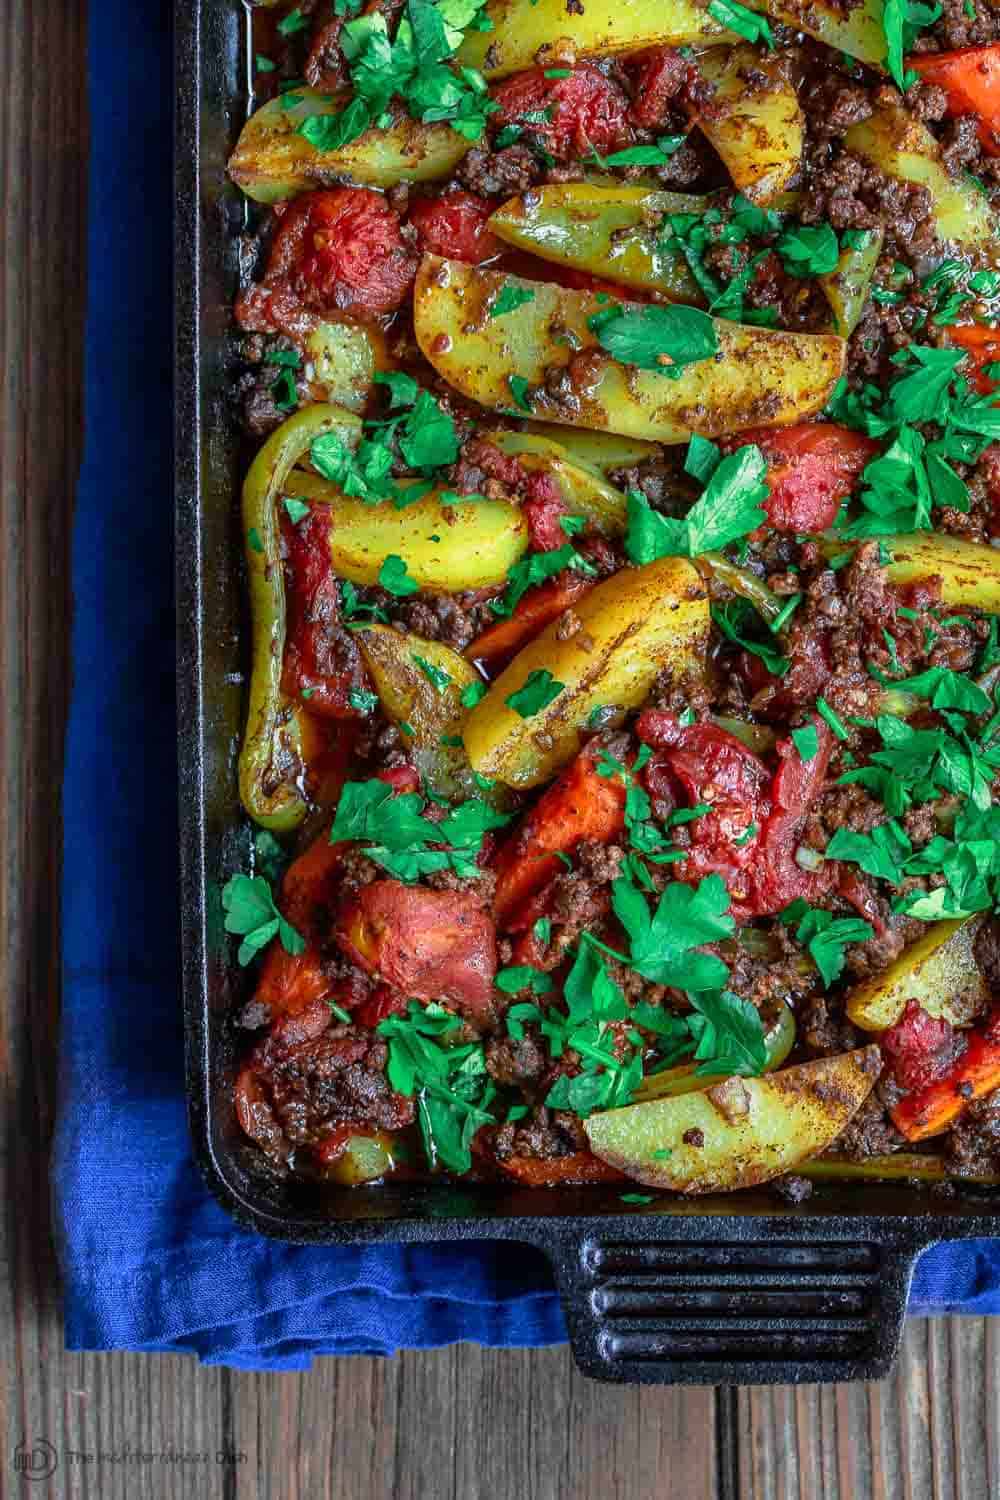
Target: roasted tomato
(982,345)
(920,1048)
(336,251)
(811,469)
(543,505)
(588,111)
(777,879)
(322,660)
(971,79)
(454,225)
(555,1171)
(431,945)
(710,765)
(659,75)
(582,804)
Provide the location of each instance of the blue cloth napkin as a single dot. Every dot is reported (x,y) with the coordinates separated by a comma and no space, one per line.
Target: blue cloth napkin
(150,1261)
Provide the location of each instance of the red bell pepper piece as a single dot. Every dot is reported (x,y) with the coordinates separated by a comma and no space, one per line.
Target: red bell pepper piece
(580,1166)
(581,805)
(931,1110)
(538,607)
(971,79)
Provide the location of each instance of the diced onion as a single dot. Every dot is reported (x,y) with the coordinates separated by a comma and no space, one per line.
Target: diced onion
(808,859)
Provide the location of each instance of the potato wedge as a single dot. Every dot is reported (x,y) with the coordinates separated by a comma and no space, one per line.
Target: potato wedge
(758,378)
(272,161)
(753,1128)
(447,548)
(521,27)
(856,30)
(341,360)
(584,492)
(431,711)
(606,231)
(969,571)
(896,143)
(939,970)
(633,626)
(601,451)
(753,120)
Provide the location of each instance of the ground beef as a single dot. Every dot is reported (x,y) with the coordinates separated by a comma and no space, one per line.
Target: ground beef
(955,28)
(661,480)
(972,1146)
(823,1029)
(870,1132)
(494,174)
(546,1135)
(514,1061)
(986,951)
(832,104)
(960,143)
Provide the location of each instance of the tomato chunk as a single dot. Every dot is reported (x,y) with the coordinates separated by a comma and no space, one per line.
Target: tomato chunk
(661,75)
(588,110)
(543,505)
(931,1110)
(455,225)
(322,660)
(581,804)
(431,945)
(337,251)
(920,1048)
(710,766)
(811,469)
(778,879)
(971,79)
(982,345)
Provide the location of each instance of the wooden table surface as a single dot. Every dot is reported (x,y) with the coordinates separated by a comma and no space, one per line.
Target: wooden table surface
(453,1425)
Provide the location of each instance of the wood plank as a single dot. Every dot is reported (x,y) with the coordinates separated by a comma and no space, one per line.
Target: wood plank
(470,1424)
(929,1432)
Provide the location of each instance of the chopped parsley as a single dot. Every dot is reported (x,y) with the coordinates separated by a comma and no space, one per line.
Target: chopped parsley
(737,619)
(395,579)
(663,944)
(436,676)
(747,23)
(902,21)
(536,568)
(449,1082)
(251,913)
(396,834)
(425,438)
(729,508)
(473,693)
(809,250)
(665,339)
(539,690)
(296,510)
(416,68)
(825,936)
(509,299)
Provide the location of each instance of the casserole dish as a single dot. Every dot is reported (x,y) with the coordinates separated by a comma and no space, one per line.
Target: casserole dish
(715,1291)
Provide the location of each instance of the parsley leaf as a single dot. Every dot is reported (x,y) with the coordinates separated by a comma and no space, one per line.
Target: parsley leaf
(251,913)
(395,579)
(539,690)
(735,619)
(901,22)
(450,1083)
(809,250)
(509,299)
(729,1033)
(747,23)
(825,937)
(662,945)
(729,508)
(656,338)
(536,568)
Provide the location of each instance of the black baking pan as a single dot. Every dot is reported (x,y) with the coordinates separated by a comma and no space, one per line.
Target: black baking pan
(712,1290)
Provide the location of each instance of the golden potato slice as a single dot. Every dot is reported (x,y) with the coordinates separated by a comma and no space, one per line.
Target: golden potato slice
(584,492)
(606,231)
(272,161)
(632,626)
(752,1129)
(753,119)
(758,378)
(341,360)
(521,27)
(447,548)
(969,571)
(938,970)
(896,143)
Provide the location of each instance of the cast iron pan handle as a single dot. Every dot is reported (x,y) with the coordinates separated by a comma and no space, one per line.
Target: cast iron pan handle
(720,1310)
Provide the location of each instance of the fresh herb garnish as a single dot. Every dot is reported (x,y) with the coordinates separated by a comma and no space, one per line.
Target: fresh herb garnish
(251,913)
(729,508)
(665,339)
(539,690)
(509,299)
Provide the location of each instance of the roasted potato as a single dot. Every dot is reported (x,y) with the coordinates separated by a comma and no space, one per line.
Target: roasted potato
(606,231)
(752,1129)
(969,572)
(939,970)
(445,547)
(522,27)
(273,161)
(365,1158)
(753,119)
(632,627)
(895,143)
(340,362)
(431,710)
(758,378)
(583,491)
